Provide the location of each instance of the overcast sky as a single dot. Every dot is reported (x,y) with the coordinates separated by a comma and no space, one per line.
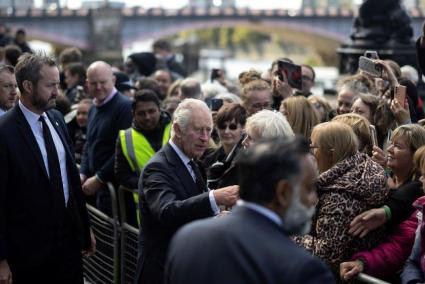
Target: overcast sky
(263,4)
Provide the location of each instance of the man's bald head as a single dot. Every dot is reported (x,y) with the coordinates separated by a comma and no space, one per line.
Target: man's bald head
(100,80)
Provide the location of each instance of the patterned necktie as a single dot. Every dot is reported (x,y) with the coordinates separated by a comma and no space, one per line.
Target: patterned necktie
(200,183)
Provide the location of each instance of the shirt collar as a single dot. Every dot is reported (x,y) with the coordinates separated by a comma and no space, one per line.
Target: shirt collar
(262,210)
(185,159)
(2,111)
(106,100)
(30,116)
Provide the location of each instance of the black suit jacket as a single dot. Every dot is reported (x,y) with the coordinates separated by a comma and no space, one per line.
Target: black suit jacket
(169,198)
(241,247)
(30,216)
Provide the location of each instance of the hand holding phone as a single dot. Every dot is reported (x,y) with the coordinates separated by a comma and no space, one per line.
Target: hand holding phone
(292,72)
(370,67)
(400,95)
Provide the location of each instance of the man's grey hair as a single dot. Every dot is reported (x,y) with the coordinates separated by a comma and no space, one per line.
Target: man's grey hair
(269,124)
(190,88)
(183,113)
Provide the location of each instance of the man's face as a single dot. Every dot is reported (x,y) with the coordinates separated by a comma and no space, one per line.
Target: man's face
(164,81)
(297,218)
(45,92)
(258,100)
(345,101)
(307,79)
(308,194)
(7,90)
(193,140)
(146,115)
(101,82)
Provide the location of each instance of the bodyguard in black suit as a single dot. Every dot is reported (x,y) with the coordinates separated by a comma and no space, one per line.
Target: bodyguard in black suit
(172,190)
(44,224)
(251,244)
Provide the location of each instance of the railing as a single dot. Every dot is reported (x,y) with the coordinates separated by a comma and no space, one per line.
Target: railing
(103,266)
(129,238)
(364,278)
(116,254)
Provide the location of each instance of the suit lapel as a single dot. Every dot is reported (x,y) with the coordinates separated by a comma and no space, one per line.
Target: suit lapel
(181,170)
(29,138)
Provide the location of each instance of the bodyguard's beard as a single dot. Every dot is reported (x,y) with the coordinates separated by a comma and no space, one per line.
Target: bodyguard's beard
(298,218)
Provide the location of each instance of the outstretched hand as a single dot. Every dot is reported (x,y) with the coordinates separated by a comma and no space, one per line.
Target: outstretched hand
(367,221)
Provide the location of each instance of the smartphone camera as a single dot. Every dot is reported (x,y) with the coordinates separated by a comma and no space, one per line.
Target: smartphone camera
(216,104)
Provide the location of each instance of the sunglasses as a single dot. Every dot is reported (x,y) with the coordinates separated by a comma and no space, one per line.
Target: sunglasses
(232,126)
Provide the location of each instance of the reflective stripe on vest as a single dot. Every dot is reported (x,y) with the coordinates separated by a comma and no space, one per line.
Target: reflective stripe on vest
(138,151)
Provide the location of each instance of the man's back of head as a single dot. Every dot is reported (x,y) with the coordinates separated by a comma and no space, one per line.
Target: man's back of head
(190,88)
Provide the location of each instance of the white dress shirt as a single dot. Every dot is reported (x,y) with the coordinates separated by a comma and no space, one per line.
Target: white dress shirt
(37,129)
(185,159)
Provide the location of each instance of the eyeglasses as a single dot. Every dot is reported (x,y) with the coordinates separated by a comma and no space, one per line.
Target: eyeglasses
(232,126)
(313,147)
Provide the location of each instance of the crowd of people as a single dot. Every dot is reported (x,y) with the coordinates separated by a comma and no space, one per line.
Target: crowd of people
(247,181)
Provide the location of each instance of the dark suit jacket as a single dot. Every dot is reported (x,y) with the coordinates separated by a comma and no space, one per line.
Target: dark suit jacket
(241,247)
(31,216)
(169,198)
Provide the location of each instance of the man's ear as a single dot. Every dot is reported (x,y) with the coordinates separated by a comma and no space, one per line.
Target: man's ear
(177,130)
(28,86)
(283,194)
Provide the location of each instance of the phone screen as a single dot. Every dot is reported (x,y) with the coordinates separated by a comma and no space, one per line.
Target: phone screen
(292,73)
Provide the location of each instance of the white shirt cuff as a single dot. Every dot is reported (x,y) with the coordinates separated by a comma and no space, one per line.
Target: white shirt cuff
(214,206)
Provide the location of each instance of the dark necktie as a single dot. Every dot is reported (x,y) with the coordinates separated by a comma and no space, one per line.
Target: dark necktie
(199,179)
(53,162)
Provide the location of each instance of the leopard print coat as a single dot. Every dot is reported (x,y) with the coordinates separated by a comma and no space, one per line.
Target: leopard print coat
(349,188)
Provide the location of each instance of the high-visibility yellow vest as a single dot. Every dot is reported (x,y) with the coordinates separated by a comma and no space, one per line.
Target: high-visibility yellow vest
(138,151)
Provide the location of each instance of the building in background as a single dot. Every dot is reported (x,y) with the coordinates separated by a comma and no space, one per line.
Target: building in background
(93,4)
(347,4)
(51,3)
(21,4)
(212,3)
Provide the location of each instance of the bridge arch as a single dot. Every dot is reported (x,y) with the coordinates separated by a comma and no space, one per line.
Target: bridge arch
(260,25)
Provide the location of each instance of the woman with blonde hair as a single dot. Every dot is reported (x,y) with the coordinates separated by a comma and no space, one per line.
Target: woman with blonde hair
(387,259)
(402,181)
(322,106)
(301,115)
(256,95)
(361,128)
(349,183)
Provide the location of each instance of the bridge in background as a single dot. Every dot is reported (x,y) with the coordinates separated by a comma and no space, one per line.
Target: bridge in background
(88,29)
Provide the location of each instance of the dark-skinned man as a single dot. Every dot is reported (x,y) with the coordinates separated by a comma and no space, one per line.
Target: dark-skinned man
(150,130)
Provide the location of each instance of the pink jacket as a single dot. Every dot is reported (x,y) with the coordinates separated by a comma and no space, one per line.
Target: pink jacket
(386,260)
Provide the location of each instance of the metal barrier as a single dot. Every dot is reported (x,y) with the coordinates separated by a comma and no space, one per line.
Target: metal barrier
(103,266)
(129,239)
(364,278)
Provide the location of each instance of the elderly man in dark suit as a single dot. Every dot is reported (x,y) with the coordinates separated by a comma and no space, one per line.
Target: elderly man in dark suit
(44,225)
(251,244)
(172,190)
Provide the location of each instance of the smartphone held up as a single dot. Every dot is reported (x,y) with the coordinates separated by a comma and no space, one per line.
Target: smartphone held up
(292,72)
